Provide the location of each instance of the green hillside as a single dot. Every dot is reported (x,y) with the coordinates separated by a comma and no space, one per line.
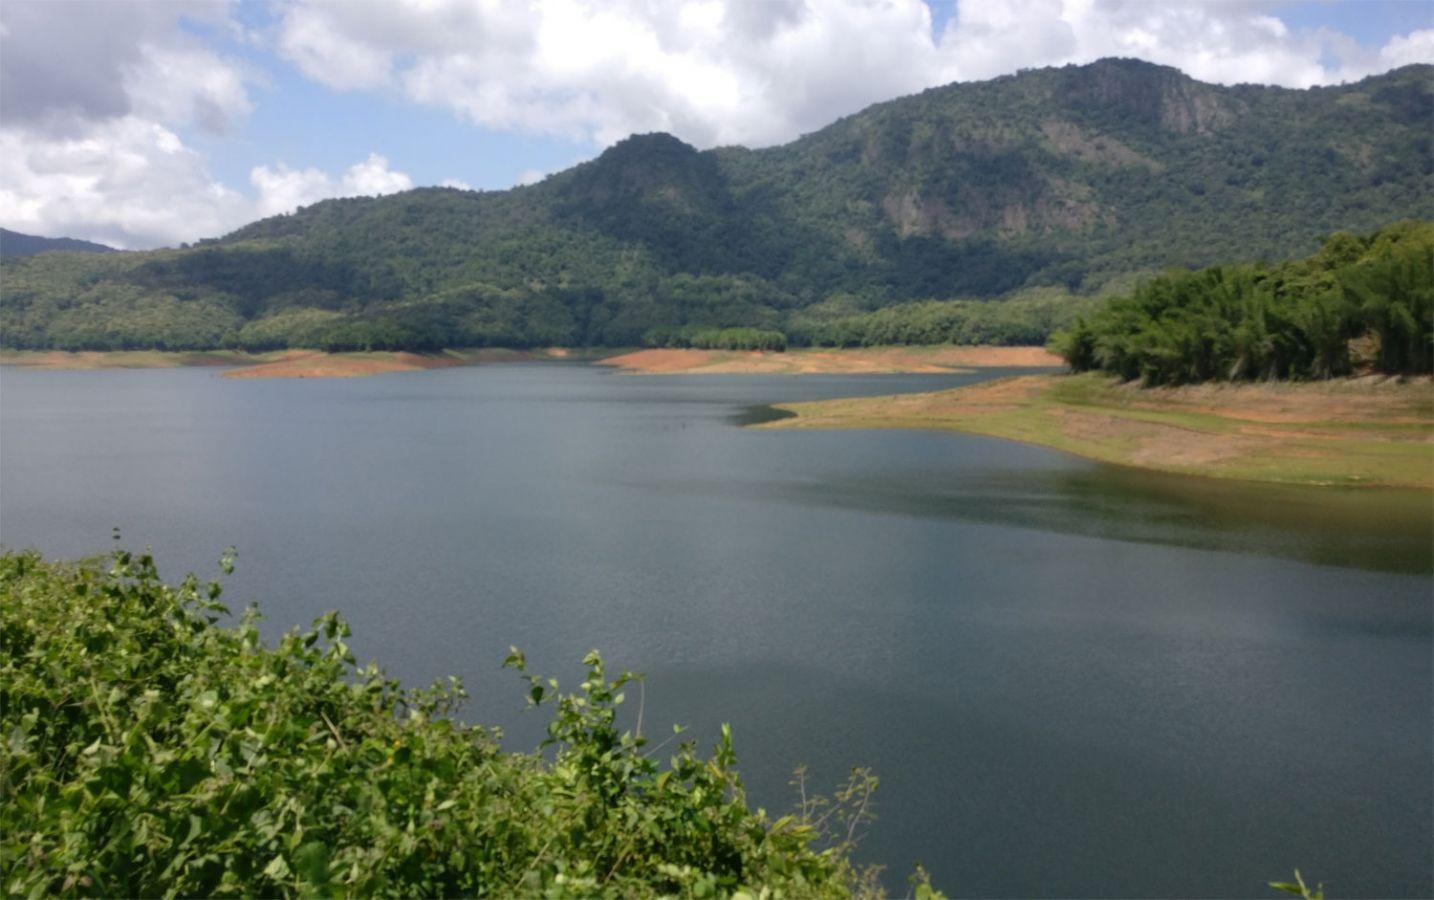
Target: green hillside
(1056,180)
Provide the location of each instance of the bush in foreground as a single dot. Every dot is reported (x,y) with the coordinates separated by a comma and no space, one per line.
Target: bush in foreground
(151,750)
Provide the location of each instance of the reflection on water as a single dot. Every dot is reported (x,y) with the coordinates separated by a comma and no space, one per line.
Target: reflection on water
(1383,530)
(758,415)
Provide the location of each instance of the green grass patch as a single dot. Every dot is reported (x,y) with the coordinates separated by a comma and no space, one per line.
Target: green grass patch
(1319,433)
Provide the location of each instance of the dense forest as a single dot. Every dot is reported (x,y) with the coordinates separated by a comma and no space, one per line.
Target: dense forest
(698,337)
(1359,304)
(1064,180)
(153,750)
(1025,318)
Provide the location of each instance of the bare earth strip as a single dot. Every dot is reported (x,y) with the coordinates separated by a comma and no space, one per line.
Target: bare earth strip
(318,364)
(344,365)
(278,364)
(1364,431)
(864,360)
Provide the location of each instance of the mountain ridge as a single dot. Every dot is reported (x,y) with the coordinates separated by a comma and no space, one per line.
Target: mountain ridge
(1065,179)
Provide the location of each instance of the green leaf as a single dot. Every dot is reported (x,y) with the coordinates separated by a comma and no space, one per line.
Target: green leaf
(277,869)
(312,862)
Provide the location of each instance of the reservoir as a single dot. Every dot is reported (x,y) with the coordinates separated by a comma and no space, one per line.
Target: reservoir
(1072,679)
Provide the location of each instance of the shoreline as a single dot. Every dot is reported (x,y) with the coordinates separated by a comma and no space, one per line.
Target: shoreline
(280,363)
(1359,432)
(937,359)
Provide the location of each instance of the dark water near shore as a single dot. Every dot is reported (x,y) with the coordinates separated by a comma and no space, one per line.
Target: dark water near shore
(1073,679)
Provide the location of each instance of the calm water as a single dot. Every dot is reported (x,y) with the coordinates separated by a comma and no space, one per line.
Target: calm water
(1072,679)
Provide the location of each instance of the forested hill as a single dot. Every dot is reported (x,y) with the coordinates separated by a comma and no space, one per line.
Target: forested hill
(1055,178)
(13,243)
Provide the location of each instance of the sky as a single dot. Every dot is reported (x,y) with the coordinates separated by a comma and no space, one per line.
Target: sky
(146,124)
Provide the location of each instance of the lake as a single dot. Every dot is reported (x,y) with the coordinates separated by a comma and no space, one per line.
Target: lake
(1072,679)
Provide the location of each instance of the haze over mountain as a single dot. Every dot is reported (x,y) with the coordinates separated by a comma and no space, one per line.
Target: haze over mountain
(13,243)
(1065,178)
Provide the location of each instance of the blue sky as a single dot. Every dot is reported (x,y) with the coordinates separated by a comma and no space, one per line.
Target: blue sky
(296,120)
(148,124)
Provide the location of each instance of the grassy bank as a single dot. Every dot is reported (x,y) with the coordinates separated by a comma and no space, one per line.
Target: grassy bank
(1344,432)
(854,361)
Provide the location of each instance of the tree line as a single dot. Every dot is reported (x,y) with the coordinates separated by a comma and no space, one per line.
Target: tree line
(695,337)
(258,298)
(1362,303)
(1025,318)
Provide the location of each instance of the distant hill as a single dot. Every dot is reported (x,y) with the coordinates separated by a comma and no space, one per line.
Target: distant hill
(13,243)
(1052,180)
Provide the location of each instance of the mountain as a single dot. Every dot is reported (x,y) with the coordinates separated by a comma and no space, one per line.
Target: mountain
(13,243)
(1068,179)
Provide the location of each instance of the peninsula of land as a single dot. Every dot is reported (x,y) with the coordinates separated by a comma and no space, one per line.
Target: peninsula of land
(1370,431)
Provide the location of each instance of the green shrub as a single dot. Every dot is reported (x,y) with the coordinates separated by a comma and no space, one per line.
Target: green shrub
(151,749)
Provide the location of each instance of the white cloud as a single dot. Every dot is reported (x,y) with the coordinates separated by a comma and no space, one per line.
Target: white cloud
(96,95)
(457,183)
(282,189)
(1226,43)
(758,73)
(93,97)
(329,56)
(711,72)
(1415,47)
(66,63)
(131,183)
(183,85)
(373,177)
(530,176)
(127,182)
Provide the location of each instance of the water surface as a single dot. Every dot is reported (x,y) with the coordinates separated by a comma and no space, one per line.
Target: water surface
(1073,679)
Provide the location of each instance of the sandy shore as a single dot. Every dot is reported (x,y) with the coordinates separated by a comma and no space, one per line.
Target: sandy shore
(1365,431)
(862,360)
(314,364)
